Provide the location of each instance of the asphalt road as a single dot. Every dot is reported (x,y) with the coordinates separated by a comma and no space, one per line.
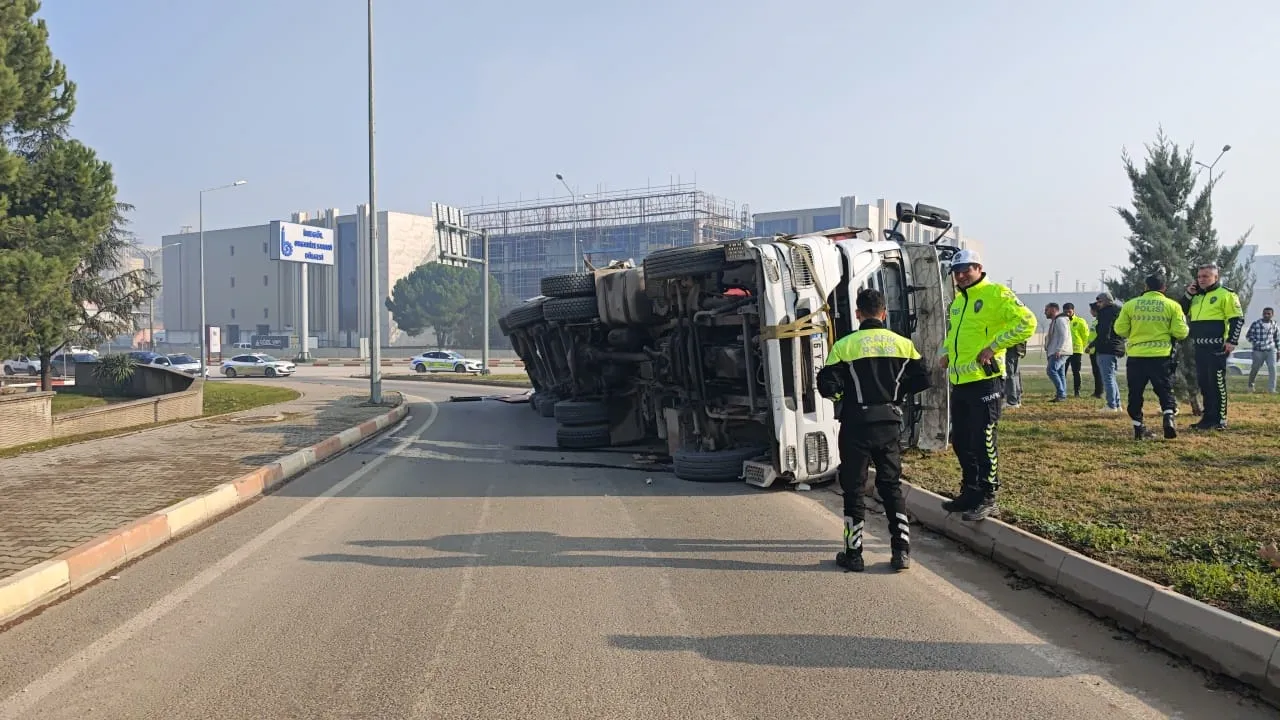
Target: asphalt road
(462,567)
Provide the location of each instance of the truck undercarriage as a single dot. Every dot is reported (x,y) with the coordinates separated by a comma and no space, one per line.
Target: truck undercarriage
(713,349)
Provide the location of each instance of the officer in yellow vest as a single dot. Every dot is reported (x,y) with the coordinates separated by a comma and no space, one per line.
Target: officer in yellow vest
(1152,323)
(985,320)
(1216,321)
(870,372)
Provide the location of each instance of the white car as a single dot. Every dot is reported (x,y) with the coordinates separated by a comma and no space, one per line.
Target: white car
(185,364)
(1240,362)
(445,361)
(257,364)
(22,365)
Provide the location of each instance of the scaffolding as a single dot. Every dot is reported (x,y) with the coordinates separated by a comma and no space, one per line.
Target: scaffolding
(534,238)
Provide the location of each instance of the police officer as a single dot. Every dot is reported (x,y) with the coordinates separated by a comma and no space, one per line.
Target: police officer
(1216,322)
(1152,323)
(986,319)
(870,372)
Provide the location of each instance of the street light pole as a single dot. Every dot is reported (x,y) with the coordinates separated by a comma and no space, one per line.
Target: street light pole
(577,251)
(203,331)
(375,330)
(1211,165)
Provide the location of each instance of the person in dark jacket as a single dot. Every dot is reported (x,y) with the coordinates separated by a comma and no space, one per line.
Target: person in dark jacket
(1091,350)
(869,373)
(1108,348)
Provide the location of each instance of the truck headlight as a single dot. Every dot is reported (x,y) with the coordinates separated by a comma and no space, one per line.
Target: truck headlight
(817,453)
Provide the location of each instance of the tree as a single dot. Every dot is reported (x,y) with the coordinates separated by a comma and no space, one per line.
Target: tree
(63,235)
(444,298)
(1171,231)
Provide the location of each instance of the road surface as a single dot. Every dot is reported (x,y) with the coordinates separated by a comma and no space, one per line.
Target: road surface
(462,567)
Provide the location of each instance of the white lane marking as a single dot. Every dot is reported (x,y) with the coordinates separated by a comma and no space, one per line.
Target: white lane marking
(20,704)
(426,706)
(1088,673)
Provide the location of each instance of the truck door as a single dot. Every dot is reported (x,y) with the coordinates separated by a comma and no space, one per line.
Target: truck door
(930,297)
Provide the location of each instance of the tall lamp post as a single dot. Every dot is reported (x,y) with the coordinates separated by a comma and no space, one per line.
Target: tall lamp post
(375,329)
(1211,165)
(577,251)
(204,354)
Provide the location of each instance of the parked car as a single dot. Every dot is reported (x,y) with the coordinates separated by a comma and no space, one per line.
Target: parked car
(64,363)
(257,364)
(445,361)
(1240,362)
(183,363)
(22,365)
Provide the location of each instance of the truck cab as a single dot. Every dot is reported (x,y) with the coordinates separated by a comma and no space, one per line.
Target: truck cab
(714,349)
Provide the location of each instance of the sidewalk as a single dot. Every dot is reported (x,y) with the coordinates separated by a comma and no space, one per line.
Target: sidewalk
(53,500)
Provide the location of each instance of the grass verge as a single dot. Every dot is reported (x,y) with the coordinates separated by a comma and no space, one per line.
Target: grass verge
(219,398)
(1196,513)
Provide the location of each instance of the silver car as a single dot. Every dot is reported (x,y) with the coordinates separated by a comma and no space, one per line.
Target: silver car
(257,364)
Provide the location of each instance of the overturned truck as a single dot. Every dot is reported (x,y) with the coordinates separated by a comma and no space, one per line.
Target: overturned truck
(715,348)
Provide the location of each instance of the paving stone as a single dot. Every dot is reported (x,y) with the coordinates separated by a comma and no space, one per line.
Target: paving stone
(53,500)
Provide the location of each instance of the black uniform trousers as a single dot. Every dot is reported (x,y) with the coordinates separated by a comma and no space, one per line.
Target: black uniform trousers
(1158,371)
(1211,376)
(1097,376)
(1073,362)
(975,413)
(860,446)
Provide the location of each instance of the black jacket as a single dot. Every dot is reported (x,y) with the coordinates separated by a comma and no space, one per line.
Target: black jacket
(870,372)
(1107,341)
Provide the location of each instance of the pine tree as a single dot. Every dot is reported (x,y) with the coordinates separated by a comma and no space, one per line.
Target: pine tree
(59,217)
(1171,232)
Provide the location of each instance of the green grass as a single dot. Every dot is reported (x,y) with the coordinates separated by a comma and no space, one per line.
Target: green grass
(219,398)
(226,397)
(1193,513)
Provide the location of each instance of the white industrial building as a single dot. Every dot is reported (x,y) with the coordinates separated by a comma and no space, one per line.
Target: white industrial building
(247,293)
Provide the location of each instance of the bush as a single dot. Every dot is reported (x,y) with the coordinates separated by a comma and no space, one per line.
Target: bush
(113,373)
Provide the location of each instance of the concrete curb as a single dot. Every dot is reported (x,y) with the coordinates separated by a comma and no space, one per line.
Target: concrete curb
(40,585)
(1205,635)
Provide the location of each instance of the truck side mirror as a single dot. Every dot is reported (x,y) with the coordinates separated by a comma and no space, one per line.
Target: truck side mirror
(905,213)
(934,217)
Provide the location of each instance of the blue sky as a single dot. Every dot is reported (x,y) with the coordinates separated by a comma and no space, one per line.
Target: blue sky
(1011,114)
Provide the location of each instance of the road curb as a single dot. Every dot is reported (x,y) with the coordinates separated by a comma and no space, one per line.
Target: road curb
(44,583)
(1207,636)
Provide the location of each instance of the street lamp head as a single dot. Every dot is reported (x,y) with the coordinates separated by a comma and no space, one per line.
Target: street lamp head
(1226,148)
(559,176)
(240,182)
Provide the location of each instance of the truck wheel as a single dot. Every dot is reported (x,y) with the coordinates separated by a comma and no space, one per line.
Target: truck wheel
(571,309)
(581,284)
(684,261)
(582,436)
(526,314)
(503,326)
(547,408)
(715,466)
(579,412)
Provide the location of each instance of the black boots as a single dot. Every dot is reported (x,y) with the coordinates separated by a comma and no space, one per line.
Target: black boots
(851,557)
(1170,430)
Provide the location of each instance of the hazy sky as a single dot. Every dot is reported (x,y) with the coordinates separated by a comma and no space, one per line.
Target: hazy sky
(1011,114)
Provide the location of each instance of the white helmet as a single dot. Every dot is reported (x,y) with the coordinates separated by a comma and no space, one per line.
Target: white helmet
(966,257)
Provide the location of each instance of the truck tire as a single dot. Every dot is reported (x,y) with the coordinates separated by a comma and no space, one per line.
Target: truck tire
(581,284)
(547,406)
(527,314)
(581,437)
(581,412)
(716,466)
(684,261)
(503,326)
(573,309)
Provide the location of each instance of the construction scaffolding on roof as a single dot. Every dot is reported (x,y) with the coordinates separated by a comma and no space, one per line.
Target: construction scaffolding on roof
(535,238)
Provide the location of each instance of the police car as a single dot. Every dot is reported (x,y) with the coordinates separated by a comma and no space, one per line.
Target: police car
(445,361)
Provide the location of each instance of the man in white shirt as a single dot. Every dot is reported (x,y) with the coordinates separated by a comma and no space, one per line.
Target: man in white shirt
(1057,348)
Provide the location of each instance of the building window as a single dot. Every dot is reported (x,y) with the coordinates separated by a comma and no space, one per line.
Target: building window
(264,248)
(266,313)
(233,313)
(233,281)
(264,281)
(233,251)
